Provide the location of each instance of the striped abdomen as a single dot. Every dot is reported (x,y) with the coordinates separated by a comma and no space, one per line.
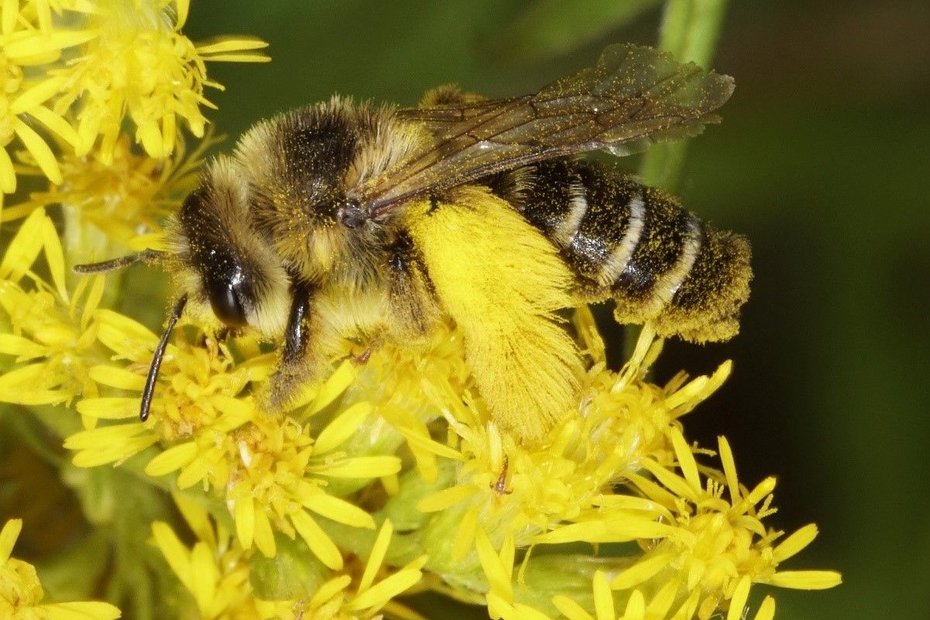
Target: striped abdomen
(637,245)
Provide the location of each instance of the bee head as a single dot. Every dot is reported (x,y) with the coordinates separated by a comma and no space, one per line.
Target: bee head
(226,267)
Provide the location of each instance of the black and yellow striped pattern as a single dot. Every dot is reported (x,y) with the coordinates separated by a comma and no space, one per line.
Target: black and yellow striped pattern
(637,245)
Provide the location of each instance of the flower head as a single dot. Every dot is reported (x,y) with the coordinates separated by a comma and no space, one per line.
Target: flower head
(53,335)
(79,71)
(25,93)
(135,62)
(216,572)
(21,593)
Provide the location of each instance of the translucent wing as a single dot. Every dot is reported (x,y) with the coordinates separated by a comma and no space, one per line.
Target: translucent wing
(633,96)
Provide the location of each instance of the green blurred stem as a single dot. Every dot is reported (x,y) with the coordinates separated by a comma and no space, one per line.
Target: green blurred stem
(689,32)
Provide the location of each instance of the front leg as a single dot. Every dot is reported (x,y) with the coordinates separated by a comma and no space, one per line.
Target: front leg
(296,366)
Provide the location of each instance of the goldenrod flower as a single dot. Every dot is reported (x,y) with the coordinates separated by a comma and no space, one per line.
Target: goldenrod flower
(53,335)
(80,70)
(24,92)
(271,472)
(21,593)
(133,61)
(216,571)
(118,203)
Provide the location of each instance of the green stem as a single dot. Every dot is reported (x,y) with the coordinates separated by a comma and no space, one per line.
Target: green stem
(689,31)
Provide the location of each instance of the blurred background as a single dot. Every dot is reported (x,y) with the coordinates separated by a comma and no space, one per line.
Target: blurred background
(822,160)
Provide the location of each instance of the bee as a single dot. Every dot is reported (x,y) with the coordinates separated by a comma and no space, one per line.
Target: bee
(349,220)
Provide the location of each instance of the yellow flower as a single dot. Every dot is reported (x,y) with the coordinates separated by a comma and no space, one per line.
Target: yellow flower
(715,548)
(216,571)
(24,92)
(345,598)
(617,470)
(53,334)
(81,70)
(21,593)
(270,470)
(116,202)
(135,62)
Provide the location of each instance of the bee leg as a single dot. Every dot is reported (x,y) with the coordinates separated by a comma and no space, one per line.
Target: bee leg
(294,368)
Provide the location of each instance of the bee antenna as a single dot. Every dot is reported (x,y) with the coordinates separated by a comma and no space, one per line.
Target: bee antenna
(119,263)
(149,388)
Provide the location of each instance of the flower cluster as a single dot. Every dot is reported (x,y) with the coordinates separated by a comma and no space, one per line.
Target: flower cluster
(114,60)
(386,479)
(21,593)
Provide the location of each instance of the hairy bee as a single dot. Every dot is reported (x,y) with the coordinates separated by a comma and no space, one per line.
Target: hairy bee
(348,220)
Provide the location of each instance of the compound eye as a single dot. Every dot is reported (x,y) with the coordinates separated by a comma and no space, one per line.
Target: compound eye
(224,299)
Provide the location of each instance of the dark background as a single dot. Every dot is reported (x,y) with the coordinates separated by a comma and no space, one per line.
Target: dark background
(822,160)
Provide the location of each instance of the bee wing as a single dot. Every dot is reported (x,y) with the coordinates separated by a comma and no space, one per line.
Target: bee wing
(633,97)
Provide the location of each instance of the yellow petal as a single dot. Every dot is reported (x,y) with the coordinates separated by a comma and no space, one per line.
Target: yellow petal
(24,248)
(238,58)
(363,467)
(56,123)
(55,257)
(182,8)
(806,579)
(329,590)
(686,460)
(44,43)
(635,606)
(109,408)
(264,535)
(385,590)
(204,575)
(176,554)
(8,536)
(445,498)
(376,557)
(569,608)
(335,385)
(26,385)
(172,459)
(641,571)
(22,348)
(237,44)
(320,544)
(499,578)
(152,140)
(739,598)
(114,376)
(36,95)
(612,530)
(79,610)
(245,521)
(7,173)
(766,609)
(339,510)
(795,543)
(344,426)
(39,150)
(603,599)
(9,15)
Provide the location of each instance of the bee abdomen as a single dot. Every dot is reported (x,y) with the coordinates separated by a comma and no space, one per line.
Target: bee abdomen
(637,245)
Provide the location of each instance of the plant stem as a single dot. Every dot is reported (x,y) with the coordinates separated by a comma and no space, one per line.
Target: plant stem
(689,32)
